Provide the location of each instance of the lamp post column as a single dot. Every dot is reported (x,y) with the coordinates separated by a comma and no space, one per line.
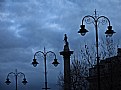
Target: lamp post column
(16,81)
(45,72)
(96,20)
(98,66)
(44,53)
(16,74)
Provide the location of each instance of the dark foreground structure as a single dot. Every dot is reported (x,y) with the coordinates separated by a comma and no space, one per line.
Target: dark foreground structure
(66,53)
(110,74)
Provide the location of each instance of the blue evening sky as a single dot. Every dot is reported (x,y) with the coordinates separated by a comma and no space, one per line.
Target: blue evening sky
(27,26)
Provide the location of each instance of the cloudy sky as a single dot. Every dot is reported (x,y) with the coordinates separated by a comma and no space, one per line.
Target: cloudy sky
(27,26)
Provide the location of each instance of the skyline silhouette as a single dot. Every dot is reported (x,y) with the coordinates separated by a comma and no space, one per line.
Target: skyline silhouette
(29,26)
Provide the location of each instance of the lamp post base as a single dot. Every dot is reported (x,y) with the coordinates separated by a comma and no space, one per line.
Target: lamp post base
(45,88)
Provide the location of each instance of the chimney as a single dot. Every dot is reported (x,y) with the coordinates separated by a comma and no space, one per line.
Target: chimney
(119,52)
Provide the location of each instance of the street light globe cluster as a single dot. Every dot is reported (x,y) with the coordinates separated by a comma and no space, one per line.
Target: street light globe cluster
(35,63)
(55,62)
(96,20)
(109,32)
(16,74)
(8,81)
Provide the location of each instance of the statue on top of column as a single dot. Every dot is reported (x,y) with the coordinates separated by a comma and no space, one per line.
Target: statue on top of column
(65,40)
(66,46)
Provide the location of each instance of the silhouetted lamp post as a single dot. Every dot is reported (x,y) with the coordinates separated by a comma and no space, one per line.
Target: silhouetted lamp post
(96,20)
(55,63)
(16,74)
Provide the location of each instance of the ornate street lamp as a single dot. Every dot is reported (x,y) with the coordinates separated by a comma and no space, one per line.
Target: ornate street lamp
(7,81)
(110,32)
(55,63)
(16,74)
(82,30)
(96,20)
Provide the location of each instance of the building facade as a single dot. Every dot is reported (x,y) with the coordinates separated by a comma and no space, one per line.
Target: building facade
(110,74)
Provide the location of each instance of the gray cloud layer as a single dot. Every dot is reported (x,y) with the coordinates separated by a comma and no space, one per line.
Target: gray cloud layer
(28,26)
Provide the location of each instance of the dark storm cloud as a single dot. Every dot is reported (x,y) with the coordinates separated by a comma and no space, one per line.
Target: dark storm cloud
(2,0)
(27,26)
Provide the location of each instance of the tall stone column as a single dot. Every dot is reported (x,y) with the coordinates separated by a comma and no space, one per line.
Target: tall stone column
(66,55)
